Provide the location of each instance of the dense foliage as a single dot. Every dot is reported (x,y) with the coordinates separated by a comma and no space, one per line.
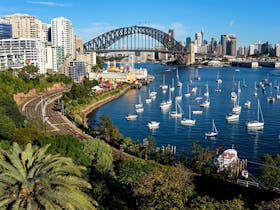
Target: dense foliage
(33,179)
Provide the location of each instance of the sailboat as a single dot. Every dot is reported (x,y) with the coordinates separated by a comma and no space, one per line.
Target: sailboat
(197,77)
(255,89)
(270,98)
(218,89)
(256,124)
(178,111)
(179,84)
(179,97)
(206,94)
(206,103)
(172,88)
(188,121)
(187,94)
(213,132)
(237,108)
(218,80)
(244,84)
(140,104)
(148,100)
(163,86)
(166,104)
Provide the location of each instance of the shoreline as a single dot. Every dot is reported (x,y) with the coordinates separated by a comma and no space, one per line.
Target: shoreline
(91,107)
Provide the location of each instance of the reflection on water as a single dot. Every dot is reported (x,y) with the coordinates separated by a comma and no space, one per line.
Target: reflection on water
(249,144)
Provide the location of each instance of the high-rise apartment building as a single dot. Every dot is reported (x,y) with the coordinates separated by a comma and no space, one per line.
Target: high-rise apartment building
(5,30)
(62,34)
(19,52)
(198,38)
(188,43)
(26,26)
(213,45)
(229,44)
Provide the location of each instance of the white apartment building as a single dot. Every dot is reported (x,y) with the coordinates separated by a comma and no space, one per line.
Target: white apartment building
(62,33)
(26,26)
(19,52)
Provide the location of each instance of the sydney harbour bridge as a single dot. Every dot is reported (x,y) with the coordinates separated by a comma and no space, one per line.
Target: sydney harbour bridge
(137,39)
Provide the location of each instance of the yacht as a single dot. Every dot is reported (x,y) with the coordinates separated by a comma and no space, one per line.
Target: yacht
(172,88)
(179,97)
(140,104)
(206,103)
(187,94)
(131,116)
(163,86)
(178,111)
(213,132)
(232,117)
(256,124)
(228,157)
(188,121)
(153,124)
(197,112)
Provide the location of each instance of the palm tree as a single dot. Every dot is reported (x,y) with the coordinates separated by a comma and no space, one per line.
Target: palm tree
(32,179)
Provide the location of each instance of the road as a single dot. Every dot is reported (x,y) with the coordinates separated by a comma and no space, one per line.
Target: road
(42,107)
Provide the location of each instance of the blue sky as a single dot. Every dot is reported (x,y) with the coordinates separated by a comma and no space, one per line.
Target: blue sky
(250,20)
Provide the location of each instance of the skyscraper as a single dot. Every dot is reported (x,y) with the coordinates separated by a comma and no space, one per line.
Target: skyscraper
(229,44)
(188,43)
(213,45)
(62,34)
(5,30)
(198,38)
(26,26)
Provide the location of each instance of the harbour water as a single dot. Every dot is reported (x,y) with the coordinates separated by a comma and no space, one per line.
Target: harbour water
(250,145)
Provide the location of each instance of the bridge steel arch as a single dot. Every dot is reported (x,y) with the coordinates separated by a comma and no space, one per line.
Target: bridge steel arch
(102,42)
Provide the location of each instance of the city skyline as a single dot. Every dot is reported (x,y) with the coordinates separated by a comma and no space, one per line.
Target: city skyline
(249,21)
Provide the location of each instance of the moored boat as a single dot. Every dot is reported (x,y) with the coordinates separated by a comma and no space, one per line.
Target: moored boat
(153,124)
(131,116)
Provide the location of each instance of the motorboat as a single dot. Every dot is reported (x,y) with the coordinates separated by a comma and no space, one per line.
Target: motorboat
(131,116)
(188,121)
(153,124)
(227,158)
(256,124)
(213,132)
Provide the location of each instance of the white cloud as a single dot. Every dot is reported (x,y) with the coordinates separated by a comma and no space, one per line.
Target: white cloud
(48,3)
(231,23)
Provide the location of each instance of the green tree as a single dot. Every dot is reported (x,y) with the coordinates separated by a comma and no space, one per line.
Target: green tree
(270,170)
(100,154)
(32,179)
(106,126)
(164,188)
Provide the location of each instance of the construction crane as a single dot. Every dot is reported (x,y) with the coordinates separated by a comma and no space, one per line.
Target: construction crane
(207,155)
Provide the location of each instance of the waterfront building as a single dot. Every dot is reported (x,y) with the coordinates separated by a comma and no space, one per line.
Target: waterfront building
(229,44)
(5,30)
(26,26)
(190,58)
(62,33)
(213,45)
(219,49)
(277,50)
(76,70)
(188,43)
(19,52)
(198,38)
(251,49)
(79,44)
(49,59)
